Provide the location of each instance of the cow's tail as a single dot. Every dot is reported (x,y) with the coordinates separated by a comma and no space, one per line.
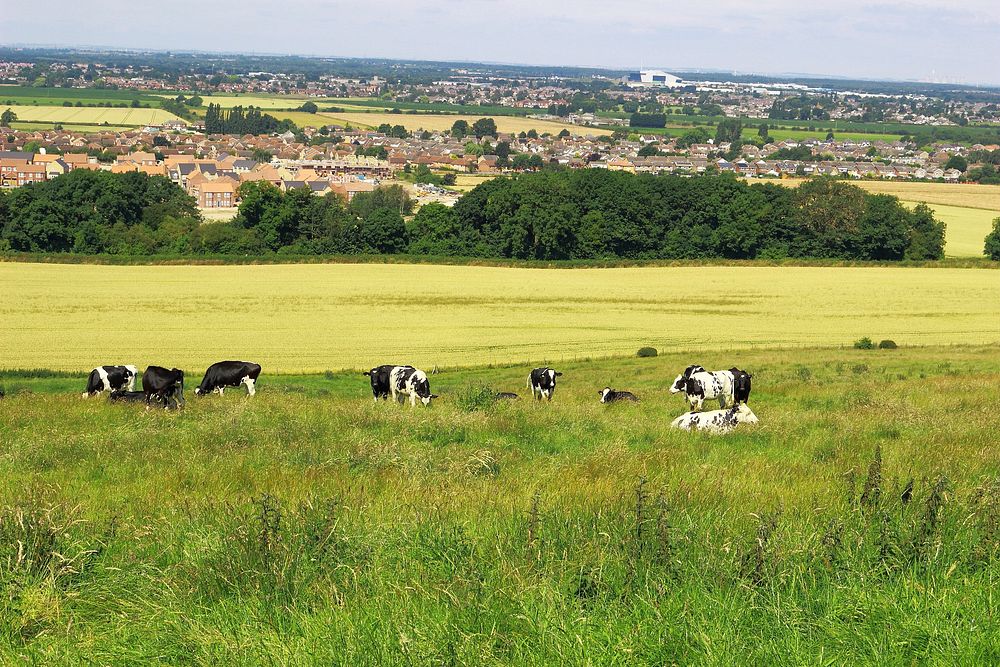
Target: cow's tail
(93,383)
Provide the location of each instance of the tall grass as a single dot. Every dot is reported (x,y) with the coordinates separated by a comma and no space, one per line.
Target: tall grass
(859,522)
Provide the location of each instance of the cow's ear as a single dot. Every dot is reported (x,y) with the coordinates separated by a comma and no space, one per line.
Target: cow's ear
(558,374)
(434,395)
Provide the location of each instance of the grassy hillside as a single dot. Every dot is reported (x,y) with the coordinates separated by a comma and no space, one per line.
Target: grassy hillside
(311,526)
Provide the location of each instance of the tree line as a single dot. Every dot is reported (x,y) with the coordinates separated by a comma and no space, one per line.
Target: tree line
(547,215)
(242,121)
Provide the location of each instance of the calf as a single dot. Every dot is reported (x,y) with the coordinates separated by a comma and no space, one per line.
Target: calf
(507,396)
(224,374)
(379,377)
(123,396)
(542,382)
(111,378)
(408,381)
(609,395)
(699,385)
(741,385)
(164,384)
(716,421)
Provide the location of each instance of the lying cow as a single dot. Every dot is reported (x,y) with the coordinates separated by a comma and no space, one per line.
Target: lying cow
(224,374)
(379,377)
(166,385)
(609,395)
(716,421)
(700,385)
(124,396)
(542,382)
(409,381)
(507,396)
(741,385)
(111,378)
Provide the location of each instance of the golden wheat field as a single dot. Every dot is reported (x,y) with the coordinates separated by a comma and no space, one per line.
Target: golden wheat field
(437,122)
(300,317)
(965,228)
(90,115)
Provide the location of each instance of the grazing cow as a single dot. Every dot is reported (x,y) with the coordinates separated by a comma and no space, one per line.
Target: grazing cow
(164,384)
(699,385)
(409,381)
(716,421)
(741,385)
(224,374)
(507,396)
(379,377)
(542,382)
(110,378)
(609,395)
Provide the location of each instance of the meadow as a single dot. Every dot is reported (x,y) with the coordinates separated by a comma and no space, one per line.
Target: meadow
(314,317)
(857,523)
(90,115)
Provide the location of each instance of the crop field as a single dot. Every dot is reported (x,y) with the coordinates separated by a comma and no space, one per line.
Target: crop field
(965,234)
(309,318)
(125,117)
(71,127)
(307,525)
(428,121)
(273,102)
(965,195)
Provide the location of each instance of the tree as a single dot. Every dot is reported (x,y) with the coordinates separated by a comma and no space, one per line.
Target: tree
(532,134)
(460,129)
(484,127)
(728,130)
(926,234)
(829,136)
(503,153)
(957,162)
(649,150)
(992,247)
(762,132)
(7,117)
(563,133)
(261,156)
(383,231)
(309,107)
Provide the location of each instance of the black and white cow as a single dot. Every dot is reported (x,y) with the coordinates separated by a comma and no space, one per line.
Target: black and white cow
(165,384)
(609,395)
(716,421)
(741,385)
(224,374)
(123,396)
(542,382)
(110,378)
(379,377)
(507,396)
(700,385)
(409,381)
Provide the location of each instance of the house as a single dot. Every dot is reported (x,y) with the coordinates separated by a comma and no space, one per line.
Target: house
(220,193)
(349,189)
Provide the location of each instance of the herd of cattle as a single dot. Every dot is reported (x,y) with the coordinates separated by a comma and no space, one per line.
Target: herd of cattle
(165,387)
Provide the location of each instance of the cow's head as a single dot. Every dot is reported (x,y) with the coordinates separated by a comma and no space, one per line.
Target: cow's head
(604,393)
(422,388)
(744,415)
(680,382)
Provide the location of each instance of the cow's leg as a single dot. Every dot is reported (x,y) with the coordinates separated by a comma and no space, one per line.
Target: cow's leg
(221,390)
(413,400)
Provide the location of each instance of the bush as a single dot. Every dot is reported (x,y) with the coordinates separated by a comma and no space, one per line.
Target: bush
(864,344)
(887,345)
(646,352)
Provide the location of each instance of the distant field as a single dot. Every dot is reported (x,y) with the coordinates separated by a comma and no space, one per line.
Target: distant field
(121,117)
(316,317)
(437,122)
(966,230)
(277,102)
(71,127)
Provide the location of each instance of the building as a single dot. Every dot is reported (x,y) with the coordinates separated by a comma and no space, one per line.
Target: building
(651,78)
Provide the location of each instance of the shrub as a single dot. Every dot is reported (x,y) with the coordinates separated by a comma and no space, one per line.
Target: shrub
(475,398)
(864,344)
(887,344)
(646,352)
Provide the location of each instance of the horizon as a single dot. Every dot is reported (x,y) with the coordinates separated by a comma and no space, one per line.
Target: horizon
(720,36)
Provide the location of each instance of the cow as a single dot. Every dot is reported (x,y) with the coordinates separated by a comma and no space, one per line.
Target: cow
(741,385)
(609,395)
(409,381)
(224,374)
(716,421)
(507,396)
(542,382)
(379,377)
(700,385)
(124,396)
(165,384)
(110,378)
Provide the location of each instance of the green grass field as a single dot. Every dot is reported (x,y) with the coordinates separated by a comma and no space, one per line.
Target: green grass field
(308,317)
(310,526)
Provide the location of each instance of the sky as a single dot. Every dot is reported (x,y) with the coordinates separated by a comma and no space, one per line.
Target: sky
(924,40)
